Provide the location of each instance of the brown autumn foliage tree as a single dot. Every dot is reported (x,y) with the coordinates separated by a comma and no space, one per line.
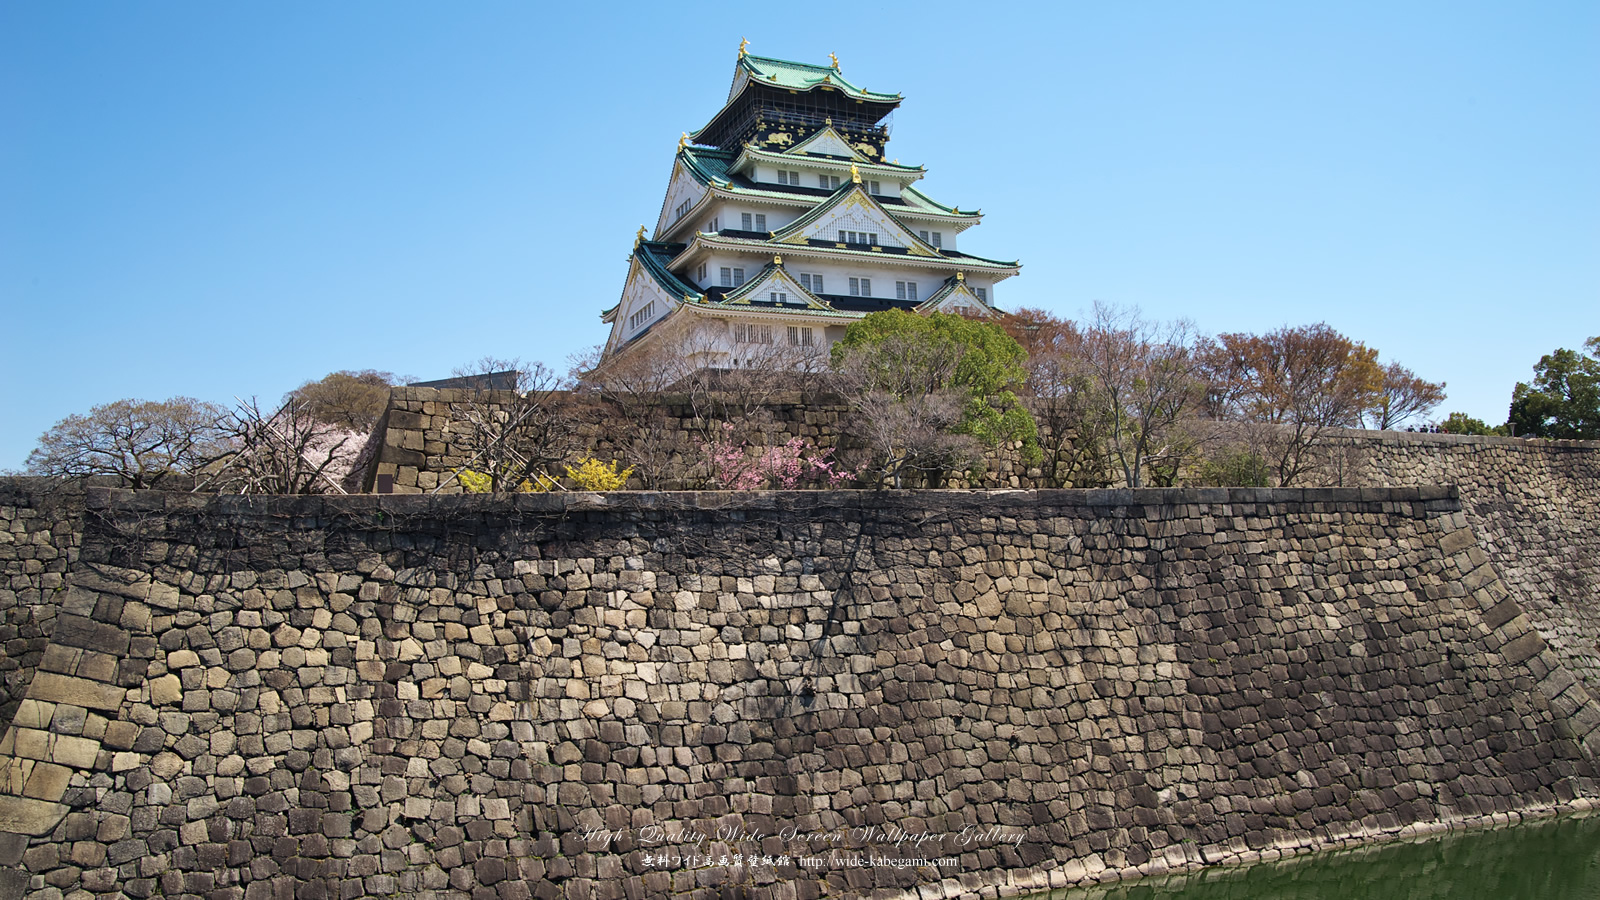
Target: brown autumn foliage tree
(1402,397)
(1059,391)
(1296,384)
(350,399)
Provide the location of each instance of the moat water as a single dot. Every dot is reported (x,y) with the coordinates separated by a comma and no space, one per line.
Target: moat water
(1555,860)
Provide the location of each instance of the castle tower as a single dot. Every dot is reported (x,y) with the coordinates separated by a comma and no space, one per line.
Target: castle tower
(783,222)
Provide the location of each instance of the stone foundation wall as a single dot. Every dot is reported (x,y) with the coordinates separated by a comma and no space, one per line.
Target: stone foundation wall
(40,527)
(543,695)
(1535,508)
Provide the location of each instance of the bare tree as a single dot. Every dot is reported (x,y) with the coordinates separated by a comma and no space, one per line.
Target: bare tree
(635,421)
(147,444)
(512,434)
(1146,383)
(291,451)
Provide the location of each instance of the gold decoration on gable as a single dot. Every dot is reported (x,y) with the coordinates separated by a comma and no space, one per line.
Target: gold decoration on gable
(780,138)
(866,149)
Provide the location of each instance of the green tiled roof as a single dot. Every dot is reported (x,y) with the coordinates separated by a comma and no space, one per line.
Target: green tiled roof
(780,157)
(922,202)
(709,165)
(655,256)
(950,257)
(804,76)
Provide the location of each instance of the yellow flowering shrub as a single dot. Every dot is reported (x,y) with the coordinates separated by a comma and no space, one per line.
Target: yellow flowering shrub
(594,475)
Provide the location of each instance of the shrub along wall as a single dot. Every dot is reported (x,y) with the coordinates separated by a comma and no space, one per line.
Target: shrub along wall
(545,695)
(422,445)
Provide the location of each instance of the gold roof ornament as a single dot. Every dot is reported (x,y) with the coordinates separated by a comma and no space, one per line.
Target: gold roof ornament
(777,259)
(688,298)
(828,121)
(683,141)
(855,174)
(835,58)
(961,276)
(638,237)
(743,43)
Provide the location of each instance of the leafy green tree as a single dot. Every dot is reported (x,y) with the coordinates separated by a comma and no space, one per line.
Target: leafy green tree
(1461,423)
(1564,399)
(921,379)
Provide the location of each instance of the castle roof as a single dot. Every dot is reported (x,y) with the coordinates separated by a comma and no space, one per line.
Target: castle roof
(715,168)
(798,76)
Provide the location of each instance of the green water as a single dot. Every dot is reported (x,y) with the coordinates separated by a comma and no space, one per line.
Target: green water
(1556,860)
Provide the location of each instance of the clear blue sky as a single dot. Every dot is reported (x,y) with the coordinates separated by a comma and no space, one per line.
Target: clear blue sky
(215,199)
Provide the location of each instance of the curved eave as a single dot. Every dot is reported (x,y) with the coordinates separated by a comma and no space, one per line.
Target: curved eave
(719,309)
(749,155)
(702,242)
(662,273)
(822,75)
(935,208)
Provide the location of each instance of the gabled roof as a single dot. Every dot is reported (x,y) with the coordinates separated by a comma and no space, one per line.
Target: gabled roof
(825,141)
(653,257)
(799,76)
(772,277)
(953,292)
(852,195)
(717,169)
(796,78)
(750,153)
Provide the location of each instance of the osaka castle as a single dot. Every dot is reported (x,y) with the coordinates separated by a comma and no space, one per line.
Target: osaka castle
(784,221)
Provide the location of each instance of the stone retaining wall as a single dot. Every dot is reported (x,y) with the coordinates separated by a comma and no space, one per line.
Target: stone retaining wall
(40,527)
(469,696)
(1535,507)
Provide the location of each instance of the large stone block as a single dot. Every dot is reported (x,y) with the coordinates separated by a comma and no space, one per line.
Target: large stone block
(56,688)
